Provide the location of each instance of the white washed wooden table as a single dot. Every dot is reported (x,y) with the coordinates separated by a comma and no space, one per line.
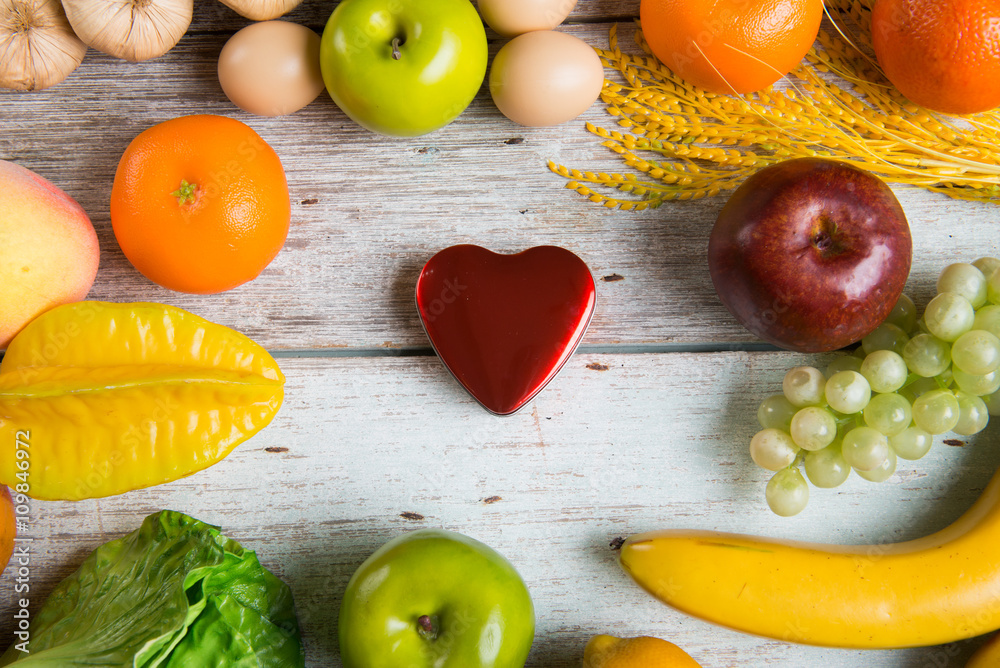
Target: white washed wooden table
(646,428)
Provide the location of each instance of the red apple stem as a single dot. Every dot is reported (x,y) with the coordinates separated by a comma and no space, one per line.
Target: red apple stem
(396,55)
(426,627)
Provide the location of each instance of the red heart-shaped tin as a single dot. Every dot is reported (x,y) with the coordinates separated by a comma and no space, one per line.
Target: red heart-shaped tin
(504,325)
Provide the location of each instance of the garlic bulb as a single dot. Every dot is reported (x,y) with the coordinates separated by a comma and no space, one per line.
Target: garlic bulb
(261,10)
(37,46)
(131,29)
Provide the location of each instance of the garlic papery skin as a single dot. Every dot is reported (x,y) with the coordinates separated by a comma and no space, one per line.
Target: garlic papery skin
(38,48)
(261,10)
(131,29)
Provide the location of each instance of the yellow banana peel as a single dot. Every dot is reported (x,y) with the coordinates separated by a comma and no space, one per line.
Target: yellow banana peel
(98,399)
(937,589)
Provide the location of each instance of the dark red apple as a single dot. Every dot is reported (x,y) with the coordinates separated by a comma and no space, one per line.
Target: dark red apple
(810,254)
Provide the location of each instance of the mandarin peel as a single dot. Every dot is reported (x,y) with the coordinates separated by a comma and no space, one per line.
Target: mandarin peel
(687,143)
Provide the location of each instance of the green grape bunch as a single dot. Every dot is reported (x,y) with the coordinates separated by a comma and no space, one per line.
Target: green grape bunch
(910,380)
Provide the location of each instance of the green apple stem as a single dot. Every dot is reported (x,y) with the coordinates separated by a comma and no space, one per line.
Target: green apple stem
(427,628)
(396,55)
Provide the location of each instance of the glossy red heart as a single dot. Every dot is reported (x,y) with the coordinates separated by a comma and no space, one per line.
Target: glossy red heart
(504,325)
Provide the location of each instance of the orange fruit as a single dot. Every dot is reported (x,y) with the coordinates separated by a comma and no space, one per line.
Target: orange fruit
(7,527)
(941,54)
(200,204)
(730,46)
(643,652)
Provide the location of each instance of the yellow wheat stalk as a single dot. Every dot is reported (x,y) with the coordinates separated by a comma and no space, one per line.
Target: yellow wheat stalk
(682,142)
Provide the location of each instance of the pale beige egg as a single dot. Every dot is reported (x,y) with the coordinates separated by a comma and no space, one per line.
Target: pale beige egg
(271,68)
(515,17)
(545,78)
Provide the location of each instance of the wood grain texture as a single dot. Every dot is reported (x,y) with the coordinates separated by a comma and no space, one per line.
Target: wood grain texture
(653,441)
(365,446)
(213,16)
(368,211)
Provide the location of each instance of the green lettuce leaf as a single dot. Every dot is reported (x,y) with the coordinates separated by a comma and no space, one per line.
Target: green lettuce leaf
(173,594)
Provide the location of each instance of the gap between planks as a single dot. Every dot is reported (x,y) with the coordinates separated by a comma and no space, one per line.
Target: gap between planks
(627,349)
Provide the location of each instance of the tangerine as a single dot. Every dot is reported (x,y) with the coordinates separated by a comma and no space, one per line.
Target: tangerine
(643,652)
(200,204)
(941,54)
(730,46)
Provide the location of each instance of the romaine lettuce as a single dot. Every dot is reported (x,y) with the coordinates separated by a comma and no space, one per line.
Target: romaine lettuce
(173,594)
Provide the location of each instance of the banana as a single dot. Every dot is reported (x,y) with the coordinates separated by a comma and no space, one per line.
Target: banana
(933,590)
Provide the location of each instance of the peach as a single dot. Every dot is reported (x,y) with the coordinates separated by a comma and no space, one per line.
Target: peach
(48,249)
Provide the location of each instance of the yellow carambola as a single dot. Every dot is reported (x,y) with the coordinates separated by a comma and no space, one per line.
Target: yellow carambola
(933,590)
(104,398)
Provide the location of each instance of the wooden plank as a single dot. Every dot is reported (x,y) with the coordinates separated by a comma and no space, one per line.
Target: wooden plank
(368,211)
(213,16)
(653,441)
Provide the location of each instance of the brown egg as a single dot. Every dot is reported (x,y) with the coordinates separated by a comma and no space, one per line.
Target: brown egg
(515,17)
(271,68)
(545,78)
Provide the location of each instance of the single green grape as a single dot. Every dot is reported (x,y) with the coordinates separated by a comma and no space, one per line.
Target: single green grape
(904,314)
(813,428)
(885,370)
(882,472)
(827,468)
(865,449)
(992,402)
(918,387)
(911,443)
(987,265)
(787,492)
(847,392)
(776,412)
(843,363)
(949,315)
(993,288)
(936,411)
(927,355)
(803,386)
(988,319)
(976,352)
(964,279)
(979,385)
(773,449)
(973,414)
(885,337)
(888,413)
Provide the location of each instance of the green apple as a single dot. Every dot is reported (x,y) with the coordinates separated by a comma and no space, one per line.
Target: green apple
(435,598)
(404,67)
